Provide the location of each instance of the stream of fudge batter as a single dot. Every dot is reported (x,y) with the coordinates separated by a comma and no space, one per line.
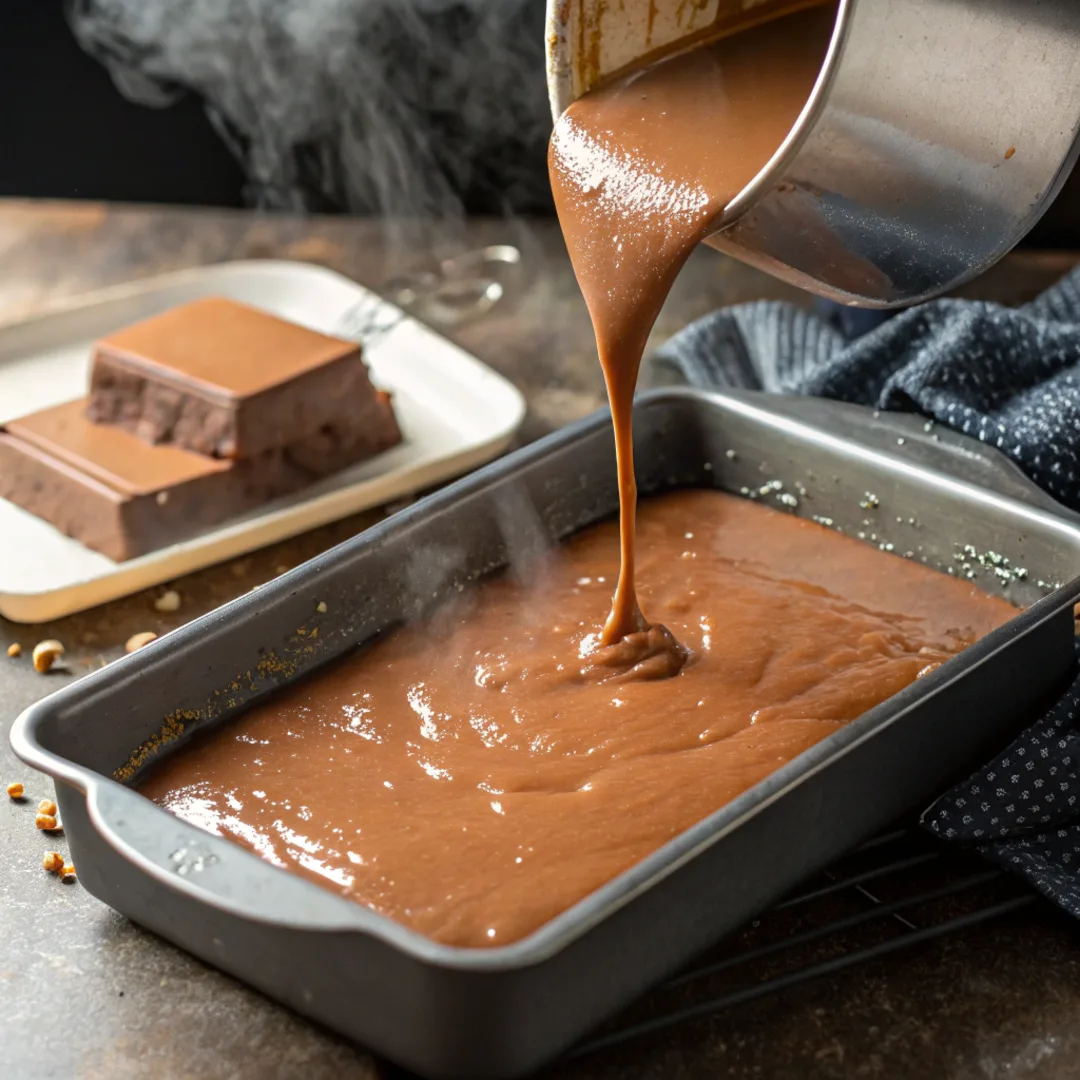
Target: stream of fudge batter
(641,169)
(470,777)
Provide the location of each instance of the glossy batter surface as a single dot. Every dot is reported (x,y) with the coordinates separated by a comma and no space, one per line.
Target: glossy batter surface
(475,776)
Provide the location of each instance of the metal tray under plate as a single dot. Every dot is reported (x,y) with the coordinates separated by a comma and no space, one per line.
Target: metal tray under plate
(449,1012)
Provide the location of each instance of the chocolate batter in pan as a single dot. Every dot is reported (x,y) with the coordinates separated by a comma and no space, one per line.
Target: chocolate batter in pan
(474,777)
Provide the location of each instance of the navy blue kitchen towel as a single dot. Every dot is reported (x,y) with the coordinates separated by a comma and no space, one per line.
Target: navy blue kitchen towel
(1007,376)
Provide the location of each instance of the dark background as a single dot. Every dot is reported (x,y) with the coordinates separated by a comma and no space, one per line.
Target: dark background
(66,132)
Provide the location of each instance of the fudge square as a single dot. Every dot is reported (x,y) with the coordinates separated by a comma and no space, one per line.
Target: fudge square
(223,379)
(108,489)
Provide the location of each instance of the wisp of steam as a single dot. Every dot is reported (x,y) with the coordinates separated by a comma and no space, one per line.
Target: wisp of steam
(402,108)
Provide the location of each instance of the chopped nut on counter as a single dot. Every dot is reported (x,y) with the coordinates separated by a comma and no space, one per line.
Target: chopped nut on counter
(168,602)
(137,641)
(46,653)
(53,862)
(15,790)
(14,649)
(46,822)
(67,875)
(320,607)
(47,806)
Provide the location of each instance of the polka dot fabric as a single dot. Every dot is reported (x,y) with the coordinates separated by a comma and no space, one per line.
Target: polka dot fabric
(1009,377)
(1022,811)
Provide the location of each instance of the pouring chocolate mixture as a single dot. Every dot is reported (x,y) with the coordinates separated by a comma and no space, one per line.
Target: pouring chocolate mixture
(641,169)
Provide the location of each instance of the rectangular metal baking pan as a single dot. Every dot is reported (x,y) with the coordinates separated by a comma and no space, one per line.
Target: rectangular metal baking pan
(449,1012)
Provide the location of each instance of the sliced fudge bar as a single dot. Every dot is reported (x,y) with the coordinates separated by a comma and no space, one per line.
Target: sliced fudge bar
(120,496)
(223,379)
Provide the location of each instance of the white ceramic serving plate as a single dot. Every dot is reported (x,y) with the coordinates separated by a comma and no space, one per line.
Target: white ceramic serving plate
(454,412)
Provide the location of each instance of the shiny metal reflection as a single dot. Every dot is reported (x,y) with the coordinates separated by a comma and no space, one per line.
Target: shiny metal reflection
(938,133)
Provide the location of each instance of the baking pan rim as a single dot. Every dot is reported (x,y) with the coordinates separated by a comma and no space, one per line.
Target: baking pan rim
(560,932)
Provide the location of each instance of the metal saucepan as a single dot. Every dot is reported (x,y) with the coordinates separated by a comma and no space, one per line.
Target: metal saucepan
(937,134)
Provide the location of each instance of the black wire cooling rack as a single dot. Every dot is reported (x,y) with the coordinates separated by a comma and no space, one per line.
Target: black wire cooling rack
(898,890)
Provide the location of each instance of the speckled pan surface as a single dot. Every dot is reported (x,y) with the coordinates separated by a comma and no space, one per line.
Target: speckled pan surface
(447,1012)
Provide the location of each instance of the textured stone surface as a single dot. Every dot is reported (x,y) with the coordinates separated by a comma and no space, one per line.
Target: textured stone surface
(84,993)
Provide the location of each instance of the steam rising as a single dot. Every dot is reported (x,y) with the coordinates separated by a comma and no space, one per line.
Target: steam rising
(405,108)
(523,533)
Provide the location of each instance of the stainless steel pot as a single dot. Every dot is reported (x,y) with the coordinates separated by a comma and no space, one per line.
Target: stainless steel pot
(936,135)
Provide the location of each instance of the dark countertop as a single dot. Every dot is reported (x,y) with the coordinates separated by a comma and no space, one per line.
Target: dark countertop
(84,993)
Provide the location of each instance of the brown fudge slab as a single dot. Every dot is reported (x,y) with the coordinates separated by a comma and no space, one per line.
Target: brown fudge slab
(108,489)
(224,379)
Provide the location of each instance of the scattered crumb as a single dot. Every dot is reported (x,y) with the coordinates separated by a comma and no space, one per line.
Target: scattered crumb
(320,607)
(1009,153)
(46,822)
(53,862)
(14,649)
(47,806)
(67,875)
(46,653)
(171,730)
(870,501)
(168,602)
(161,498)
(15,790)
(137,641)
